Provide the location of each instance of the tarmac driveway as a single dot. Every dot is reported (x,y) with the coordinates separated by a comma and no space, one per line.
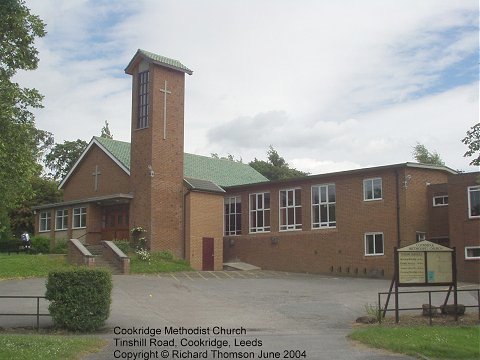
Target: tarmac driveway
(297,315)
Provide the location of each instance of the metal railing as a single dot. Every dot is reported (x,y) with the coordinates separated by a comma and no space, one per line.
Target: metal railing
(383,310)
(37,314)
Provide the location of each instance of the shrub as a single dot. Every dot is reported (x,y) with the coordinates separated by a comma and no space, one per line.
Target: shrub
(80,298)
(39,245)
(60,247)
(123,245)
(165,255)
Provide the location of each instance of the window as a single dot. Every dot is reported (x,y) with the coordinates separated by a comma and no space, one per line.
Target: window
(372,189)
(45,217)
(474,201)
(79,217)
(440,200)
(233,215)
(290,209)
(323,206)
(373,244)
(61,222)
(260,212)
(472,252)
(420,236)
(142,100)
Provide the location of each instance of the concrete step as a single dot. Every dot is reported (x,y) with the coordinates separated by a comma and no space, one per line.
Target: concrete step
(95,249)
(238,265)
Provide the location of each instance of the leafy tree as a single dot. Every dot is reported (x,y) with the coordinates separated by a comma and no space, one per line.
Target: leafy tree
(62,157)
(106,131)
(18,136)
(472,140)
(423,156)
(276,167)
(44,191)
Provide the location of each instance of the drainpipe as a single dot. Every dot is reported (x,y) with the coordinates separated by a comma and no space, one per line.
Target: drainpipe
(397,190)
(185,225)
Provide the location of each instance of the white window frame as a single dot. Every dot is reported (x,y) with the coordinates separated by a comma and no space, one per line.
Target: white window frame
(64,216)
(258,229)
(420,234)
(228,214)
(371,180)
(470,190)
(79,212)
(295,225)
(45,221)
(328,224)
(443,201)
(374,234)
(471,257)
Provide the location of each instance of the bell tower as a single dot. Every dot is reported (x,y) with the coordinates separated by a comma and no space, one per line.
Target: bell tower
(156,155)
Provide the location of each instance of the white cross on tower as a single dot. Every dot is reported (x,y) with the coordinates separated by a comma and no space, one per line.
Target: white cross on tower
(96,173)
(165,92)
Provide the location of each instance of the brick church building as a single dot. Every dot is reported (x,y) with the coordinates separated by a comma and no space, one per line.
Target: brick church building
(209,211)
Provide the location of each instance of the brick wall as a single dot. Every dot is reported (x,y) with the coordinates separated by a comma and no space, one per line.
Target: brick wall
(464,231)
(340,250)
(438,229)
(113,180)
(204,212)
(158,200)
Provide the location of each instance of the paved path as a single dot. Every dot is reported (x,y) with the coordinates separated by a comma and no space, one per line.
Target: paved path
(284,311)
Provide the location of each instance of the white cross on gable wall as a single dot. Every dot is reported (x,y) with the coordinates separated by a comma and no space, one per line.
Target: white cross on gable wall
(96,173)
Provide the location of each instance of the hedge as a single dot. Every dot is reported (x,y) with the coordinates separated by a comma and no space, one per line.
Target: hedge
(80,299)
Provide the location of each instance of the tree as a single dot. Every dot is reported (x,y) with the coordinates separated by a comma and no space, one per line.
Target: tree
(18,135)
(472,140)
(423,156)
(106,131)
(44,191)
(62,157)
(229,157)
(276,167)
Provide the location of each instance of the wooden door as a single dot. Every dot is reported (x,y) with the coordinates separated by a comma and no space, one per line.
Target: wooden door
(208,257)
(115,223)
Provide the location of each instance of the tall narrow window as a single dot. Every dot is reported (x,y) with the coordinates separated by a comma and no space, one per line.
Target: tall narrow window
(372,189)
(259,212)
(474,201)
(233,215)
(290,209)
(323,206)
(45,219)
(79,217)
(61,222)
(142,100)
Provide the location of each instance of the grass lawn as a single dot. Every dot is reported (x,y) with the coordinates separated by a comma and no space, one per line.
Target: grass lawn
(434,342)
(33,346)
(158,263)
(17,266)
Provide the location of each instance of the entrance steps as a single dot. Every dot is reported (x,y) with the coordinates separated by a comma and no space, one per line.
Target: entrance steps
(238,265)
(101,261)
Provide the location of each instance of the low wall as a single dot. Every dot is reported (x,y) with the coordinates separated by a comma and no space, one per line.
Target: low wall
(113,254)
(79,255)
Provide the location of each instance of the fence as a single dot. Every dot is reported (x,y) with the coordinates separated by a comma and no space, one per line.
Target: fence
(37,314)
(383,310)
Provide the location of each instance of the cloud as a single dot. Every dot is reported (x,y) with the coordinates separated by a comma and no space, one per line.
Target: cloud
(340,82)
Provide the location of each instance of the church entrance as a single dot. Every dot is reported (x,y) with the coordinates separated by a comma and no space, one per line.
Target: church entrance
(115,222)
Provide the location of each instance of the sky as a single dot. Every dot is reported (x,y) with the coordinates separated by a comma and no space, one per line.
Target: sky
(331,85)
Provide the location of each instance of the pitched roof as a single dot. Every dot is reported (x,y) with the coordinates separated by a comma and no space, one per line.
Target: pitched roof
(157,59)
(119,149)
(218,171)
(203,185)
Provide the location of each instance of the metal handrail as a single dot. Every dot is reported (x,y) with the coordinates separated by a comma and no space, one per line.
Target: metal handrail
(37,314)
(380,310)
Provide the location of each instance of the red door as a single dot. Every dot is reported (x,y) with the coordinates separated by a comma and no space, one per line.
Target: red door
(115,223)
(208,254)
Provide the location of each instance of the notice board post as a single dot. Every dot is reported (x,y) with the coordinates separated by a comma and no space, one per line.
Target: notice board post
(425,264)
